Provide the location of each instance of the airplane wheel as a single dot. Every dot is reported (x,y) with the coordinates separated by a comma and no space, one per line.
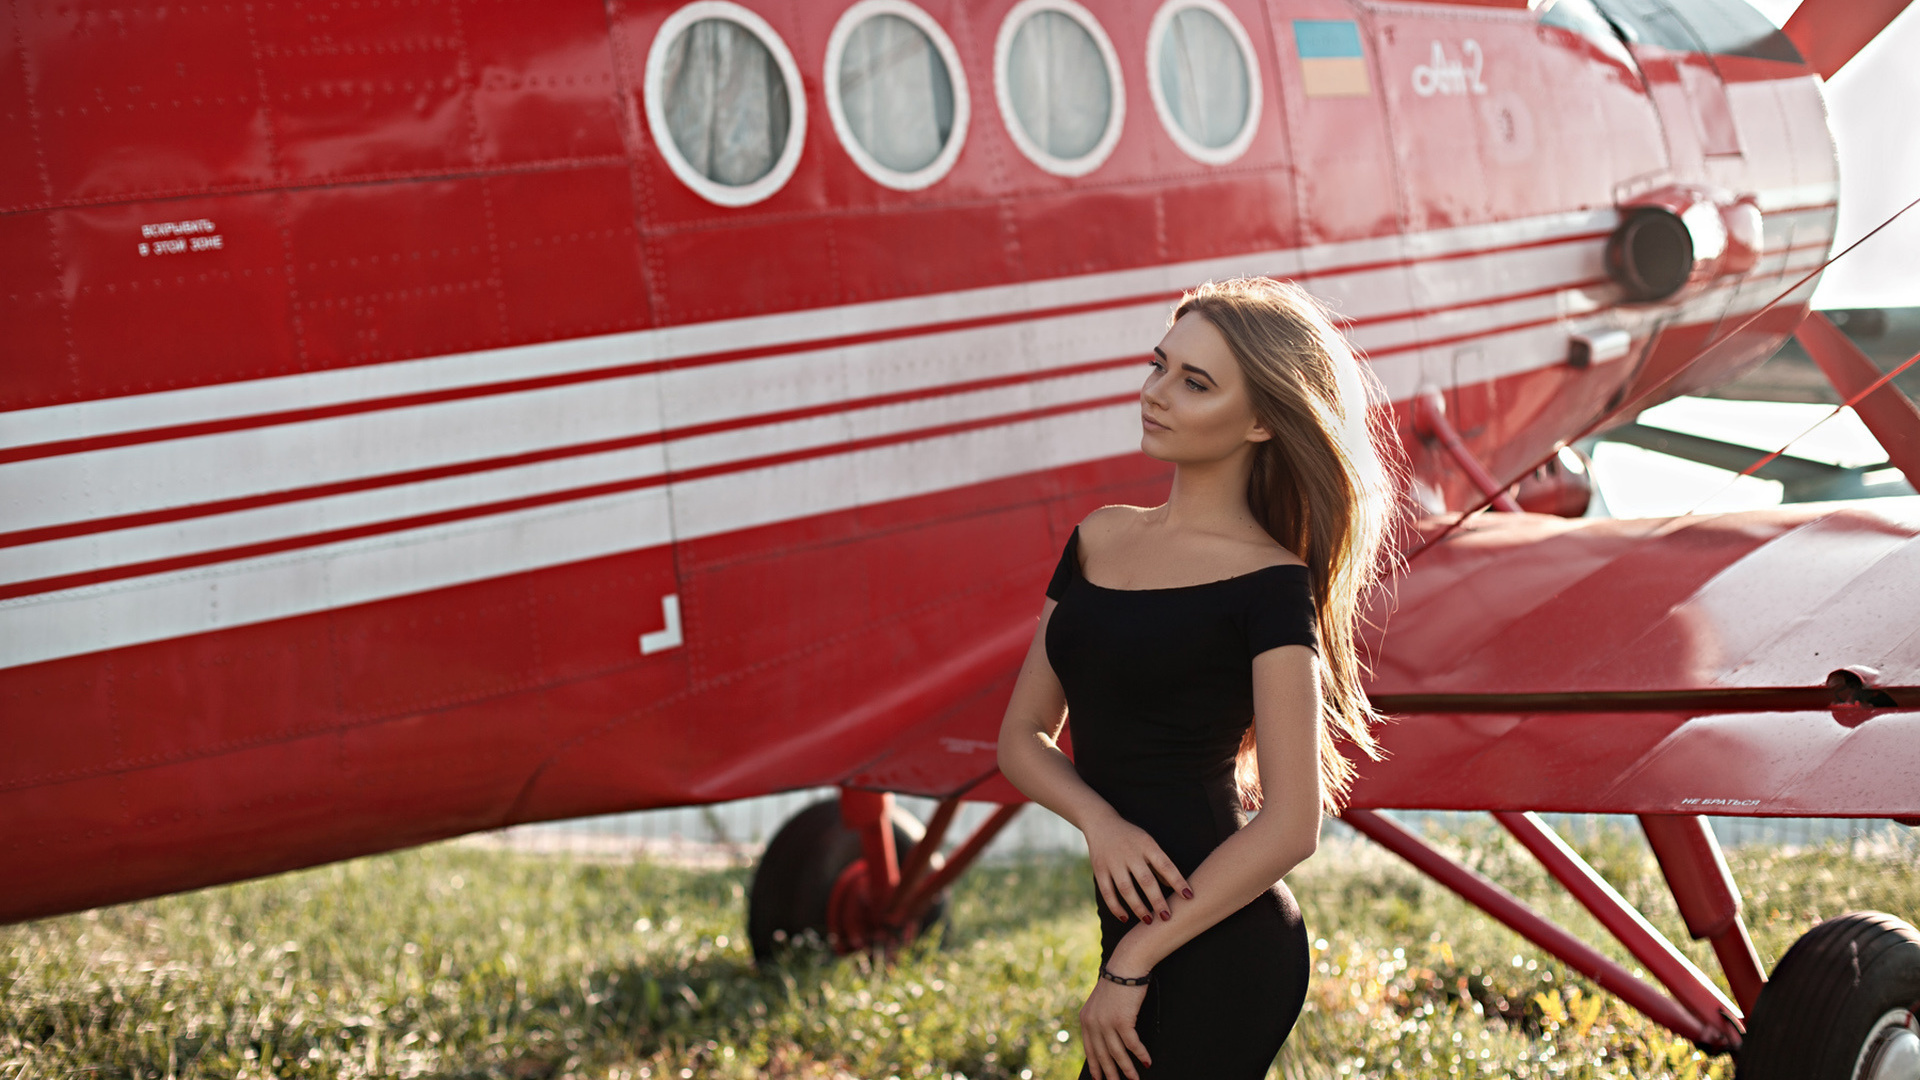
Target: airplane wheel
(811,880)
(1842,1004)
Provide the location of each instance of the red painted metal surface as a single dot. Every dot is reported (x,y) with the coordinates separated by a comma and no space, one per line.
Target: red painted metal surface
(1886,412)
(879,901)
(921,859)
(393,446)
(1829,32)
(1523,920)
(870,813)
(921,895)
(1522,605)
(1430,419)
(1708,899)
(1688,984)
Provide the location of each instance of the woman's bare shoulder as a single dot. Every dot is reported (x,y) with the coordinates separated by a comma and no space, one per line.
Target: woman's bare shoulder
(1263,551)
(1113,516)
(1109,525)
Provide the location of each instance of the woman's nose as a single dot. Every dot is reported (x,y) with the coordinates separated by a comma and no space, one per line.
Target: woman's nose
(1150,390)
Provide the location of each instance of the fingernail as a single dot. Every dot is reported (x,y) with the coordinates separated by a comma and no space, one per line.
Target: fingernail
(1166,914)
(1148,919)
(1188,893)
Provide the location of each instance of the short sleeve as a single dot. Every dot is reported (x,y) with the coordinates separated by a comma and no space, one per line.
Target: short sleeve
(1068,569)
(1282,611)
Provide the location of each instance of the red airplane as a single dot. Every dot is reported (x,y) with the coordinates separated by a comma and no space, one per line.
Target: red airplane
(424,418)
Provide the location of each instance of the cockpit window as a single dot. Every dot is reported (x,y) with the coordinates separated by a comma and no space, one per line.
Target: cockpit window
(1201,72)
(1726,27)
(724,101)
(1733,28)
(1581,17)
(1058,81)
(897,93)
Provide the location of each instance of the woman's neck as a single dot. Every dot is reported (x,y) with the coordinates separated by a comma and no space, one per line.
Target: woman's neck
(1211,496)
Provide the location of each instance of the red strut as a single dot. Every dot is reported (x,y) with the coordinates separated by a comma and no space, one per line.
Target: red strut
(1612,976)
(1430,418)
(1884,409)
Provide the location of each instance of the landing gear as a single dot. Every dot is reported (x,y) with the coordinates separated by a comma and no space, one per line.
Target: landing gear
(1842,1004)
(858,873)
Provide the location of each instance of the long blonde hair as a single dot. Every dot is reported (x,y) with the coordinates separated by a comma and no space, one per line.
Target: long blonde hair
(1322,486)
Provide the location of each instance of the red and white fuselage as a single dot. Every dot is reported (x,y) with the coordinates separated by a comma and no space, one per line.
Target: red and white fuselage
(397,443)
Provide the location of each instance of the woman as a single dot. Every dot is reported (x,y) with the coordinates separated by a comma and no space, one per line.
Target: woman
(1203,651)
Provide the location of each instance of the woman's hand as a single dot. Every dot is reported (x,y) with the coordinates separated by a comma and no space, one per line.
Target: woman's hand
(1107,1031)
(1129,867)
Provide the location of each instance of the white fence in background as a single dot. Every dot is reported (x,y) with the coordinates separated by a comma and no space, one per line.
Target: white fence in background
(746,825)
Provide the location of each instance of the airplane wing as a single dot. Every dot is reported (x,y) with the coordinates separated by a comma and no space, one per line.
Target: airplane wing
(1683,665)
(1605,666)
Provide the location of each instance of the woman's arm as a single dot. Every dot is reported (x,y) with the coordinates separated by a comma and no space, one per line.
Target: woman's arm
(1286,718)
(1128,864)
(1286,721)
(1030,754)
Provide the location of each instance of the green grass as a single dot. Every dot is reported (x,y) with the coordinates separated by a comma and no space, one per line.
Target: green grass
(463,962)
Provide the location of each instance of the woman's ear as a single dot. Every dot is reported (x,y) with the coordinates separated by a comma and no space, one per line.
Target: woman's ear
(1258,433)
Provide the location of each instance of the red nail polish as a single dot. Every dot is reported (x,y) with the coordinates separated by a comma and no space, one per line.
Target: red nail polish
(1166,915)
(1188,893)
(1148,919)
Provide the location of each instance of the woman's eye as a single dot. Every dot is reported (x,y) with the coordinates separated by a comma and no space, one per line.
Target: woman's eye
(1154,363)
(1195,385)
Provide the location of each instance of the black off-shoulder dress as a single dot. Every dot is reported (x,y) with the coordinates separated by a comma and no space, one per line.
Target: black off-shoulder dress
(1159,686)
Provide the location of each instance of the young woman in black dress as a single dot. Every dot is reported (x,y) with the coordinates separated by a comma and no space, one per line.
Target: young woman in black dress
(1203,653)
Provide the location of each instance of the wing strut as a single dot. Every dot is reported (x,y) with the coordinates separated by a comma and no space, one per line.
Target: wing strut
(1875,399)
(1430,418)
(1688,983)
(1713,1032)
(1709,902)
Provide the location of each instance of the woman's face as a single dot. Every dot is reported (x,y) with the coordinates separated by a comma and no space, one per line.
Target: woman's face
(1195,406)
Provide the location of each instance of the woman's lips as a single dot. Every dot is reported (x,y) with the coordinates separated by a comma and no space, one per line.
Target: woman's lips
(1151,424)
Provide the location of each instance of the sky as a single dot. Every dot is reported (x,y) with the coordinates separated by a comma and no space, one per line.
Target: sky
(1874,108)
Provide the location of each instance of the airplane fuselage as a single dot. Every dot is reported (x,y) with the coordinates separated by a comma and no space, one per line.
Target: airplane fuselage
(426,417)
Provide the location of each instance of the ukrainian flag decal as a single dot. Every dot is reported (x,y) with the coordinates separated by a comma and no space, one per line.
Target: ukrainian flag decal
(1331,63)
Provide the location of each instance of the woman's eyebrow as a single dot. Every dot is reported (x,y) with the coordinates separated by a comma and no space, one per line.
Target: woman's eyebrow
(1162,354)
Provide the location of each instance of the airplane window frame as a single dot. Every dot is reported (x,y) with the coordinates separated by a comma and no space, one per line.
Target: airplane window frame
(1582,17)
(936,170)
(1162,22)
(727,195)
(1010,119)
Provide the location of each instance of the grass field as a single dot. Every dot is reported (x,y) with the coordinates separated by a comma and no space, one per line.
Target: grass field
(457,961)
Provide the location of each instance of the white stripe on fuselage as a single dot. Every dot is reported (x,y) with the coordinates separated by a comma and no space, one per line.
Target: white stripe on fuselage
(233,594)
(110,416)
(1388,302)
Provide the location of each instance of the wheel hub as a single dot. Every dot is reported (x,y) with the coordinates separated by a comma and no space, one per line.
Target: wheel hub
(1892,1048)
(852,923)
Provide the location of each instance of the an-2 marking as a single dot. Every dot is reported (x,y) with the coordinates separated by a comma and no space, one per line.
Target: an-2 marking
(1446,76)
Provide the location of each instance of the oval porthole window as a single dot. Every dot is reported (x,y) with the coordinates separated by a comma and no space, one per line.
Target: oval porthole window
(724,102)
(1203,79)
(1059,87)
(896,92)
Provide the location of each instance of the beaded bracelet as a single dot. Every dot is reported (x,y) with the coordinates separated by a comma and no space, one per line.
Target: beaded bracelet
(1123,980)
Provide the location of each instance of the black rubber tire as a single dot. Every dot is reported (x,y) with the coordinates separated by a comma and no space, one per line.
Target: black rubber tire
(1825,995)
(796,875)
